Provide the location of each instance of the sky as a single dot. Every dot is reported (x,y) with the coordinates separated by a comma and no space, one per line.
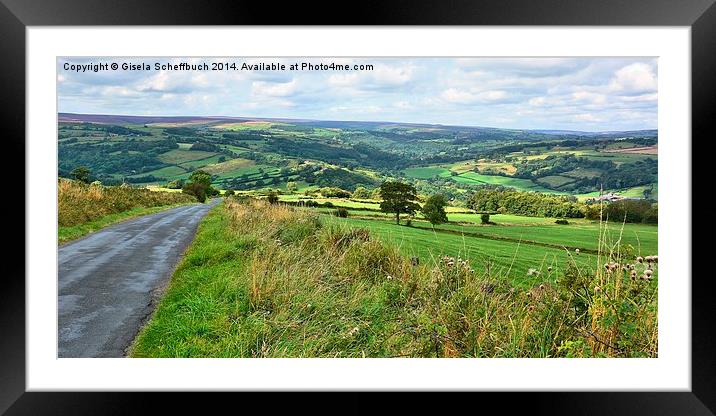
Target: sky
(586,94)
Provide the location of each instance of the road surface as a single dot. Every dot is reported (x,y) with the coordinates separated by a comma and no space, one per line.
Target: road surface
(109,281)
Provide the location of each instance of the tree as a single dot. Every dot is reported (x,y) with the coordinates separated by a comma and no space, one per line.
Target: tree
(272,197)
(229,192)
(361,193)
(485,218)
(199,186)
(398,198)
(434,209)
(291,186)
(81,174)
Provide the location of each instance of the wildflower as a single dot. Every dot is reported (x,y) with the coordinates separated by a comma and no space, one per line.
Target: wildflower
(640,259)
(648,272)
(353,331)
(549,269)
(576,250)
(541,287)
(597,289)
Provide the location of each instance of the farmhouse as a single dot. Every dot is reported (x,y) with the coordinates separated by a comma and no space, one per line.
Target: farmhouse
(610,197)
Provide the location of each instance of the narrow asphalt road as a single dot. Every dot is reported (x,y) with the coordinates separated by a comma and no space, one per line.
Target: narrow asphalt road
(108,281)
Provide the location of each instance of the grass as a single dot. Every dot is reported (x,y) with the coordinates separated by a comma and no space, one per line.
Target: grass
(512,259)
(229,166)
(426,172)
(265,280)
(65,234)
(79,203)
(178,156)
(517,183)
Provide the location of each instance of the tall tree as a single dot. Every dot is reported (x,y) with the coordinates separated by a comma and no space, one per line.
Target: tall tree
(434,209)
(81,173)
(398,198)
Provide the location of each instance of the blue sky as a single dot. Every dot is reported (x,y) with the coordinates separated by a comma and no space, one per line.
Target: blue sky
(590,94)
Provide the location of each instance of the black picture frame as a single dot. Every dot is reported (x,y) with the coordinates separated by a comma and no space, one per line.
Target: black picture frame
(16,15)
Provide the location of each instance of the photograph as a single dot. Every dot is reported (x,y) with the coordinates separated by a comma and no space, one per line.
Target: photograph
(357,207)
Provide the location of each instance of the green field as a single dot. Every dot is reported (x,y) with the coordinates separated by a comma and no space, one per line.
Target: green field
(511,260)
(179,156)
(510,249)
(427,172)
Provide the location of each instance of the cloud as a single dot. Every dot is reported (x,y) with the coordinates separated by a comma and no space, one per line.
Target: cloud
(273,89)
(345,80)
(634,78)
(539,93)
(586,117)
(391,75)
(455,95)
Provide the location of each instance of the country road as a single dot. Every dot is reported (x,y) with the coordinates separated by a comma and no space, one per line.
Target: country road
(108,281)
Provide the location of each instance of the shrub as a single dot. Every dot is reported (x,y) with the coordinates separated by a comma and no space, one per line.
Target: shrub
(176,184)
(329,192)
(81,174)
(272,197)
(561,221)
(341,212)
(485,218)
(197,190)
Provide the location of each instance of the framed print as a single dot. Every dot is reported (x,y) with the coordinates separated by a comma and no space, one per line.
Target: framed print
(448,199)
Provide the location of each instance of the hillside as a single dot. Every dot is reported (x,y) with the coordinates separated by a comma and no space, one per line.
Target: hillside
(250,154)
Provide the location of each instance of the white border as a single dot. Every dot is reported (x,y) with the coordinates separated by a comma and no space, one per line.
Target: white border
(671,371)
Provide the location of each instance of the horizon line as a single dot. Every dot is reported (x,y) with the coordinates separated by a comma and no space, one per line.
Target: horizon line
(357,121)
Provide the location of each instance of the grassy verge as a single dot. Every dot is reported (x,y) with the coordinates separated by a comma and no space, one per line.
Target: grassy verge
(65,234)
(264,280)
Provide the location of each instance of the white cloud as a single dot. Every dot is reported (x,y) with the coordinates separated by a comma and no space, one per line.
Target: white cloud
(273,89)
(589,97)
(537,101)
(403,104)
(586,117)
(637,77)
(343,80)
(393,75)
(455,95)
